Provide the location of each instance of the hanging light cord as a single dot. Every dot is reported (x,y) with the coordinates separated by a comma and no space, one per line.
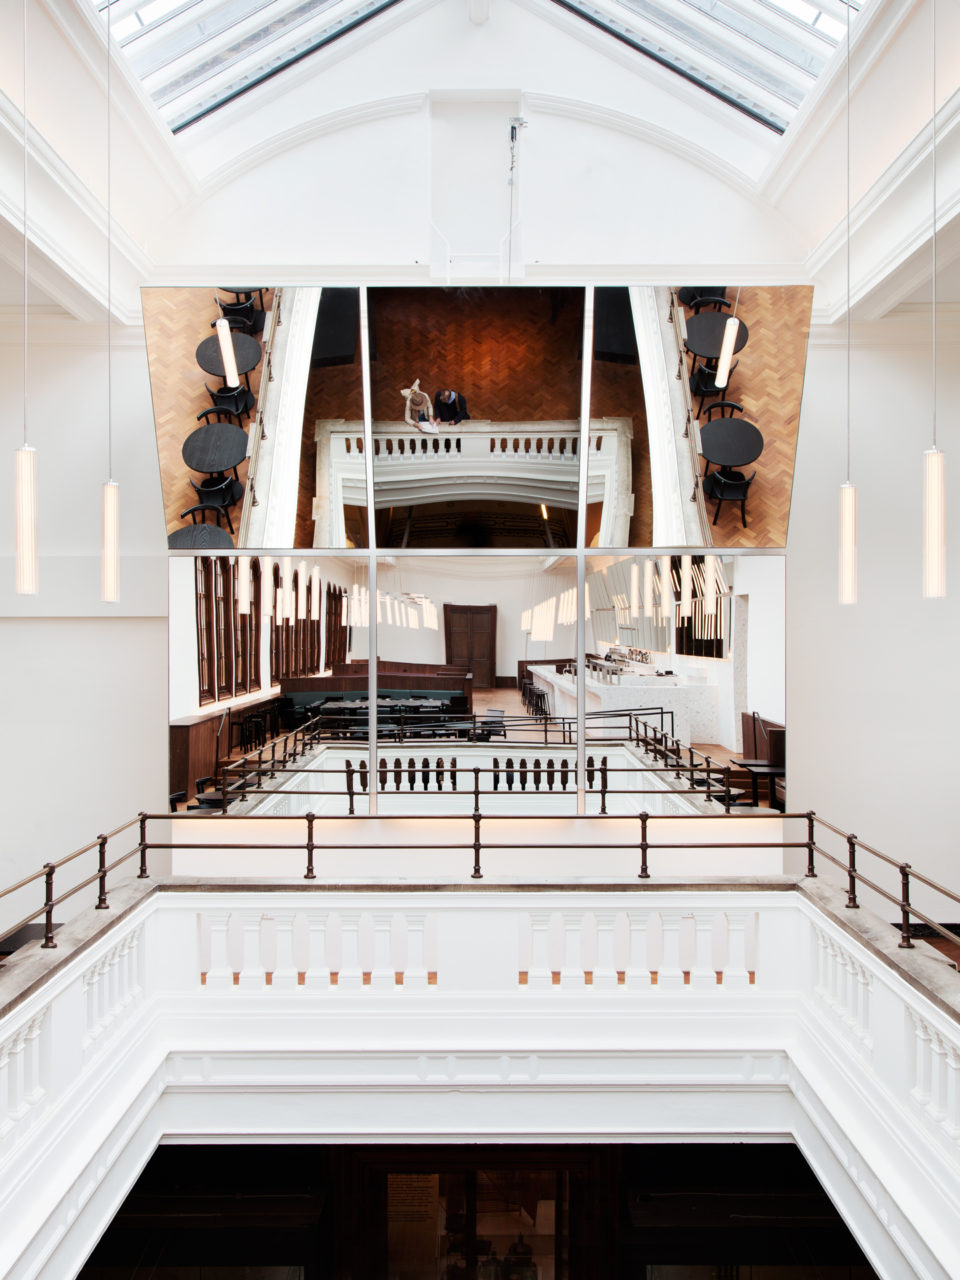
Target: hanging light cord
(933,236)
(848,243)
(25,242)
(109,262)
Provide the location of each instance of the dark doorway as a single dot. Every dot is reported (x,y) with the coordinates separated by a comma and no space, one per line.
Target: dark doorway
(682,1211)
(470,631)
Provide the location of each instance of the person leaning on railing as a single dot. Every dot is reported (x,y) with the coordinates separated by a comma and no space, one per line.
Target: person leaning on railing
(450,406)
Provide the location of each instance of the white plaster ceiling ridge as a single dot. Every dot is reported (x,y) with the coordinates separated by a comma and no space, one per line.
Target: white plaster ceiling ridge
(86,37)
(670,82)
(872,33)
(297,135)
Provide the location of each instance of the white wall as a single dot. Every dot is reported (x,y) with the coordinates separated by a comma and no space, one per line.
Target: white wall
(761,580)
(513,585)
(872,688)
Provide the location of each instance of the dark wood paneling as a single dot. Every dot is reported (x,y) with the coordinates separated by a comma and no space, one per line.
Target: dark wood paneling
(470,632)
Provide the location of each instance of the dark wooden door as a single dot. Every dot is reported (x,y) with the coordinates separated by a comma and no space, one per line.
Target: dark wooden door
(471,636)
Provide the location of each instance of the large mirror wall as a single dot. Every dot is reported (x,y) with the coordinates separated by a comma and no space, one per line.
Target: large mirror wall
(470,651)
(476,421)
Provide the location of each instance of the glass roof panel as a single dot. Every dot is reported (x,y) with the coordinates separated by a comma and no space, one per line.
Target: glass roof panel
(760,56)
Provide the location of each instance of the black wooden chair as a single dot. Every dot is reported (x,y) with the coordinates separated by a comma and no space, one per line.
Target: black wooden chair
(703,383)
(728,486)
(198,514)
(219,491)
(239,400)
(220,413)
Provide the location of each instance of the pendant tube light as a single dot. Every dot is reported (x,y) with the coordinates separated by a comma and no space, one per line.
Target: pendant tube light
(243,585)
(586,600)
(635,589)
(110,496)
(27,522)
(302,591)
(26,508)
(934,525)
(730,331)
(666,590)
(686,586)
(231,376)
(648,602)
(847,569)
(934,533)
(710,584)
(315,593)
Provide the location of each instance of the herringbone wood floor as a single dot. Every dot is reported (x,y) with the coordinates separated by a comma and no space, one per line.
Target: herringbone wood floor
(175,321)
(768,382)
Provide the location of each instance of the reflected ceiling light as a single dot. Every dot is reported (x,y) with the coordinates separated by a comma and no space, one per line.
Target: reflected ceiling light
(286,580)
(934,547)
(543,511)
(231,376)
(314,593)
(586,600)
(413,617)
(110,498)
(344,609)
(635,589)
(686,586)
(242,569)
(302,591)
(648,602)
(26,515)
(730,331)
(666,589)
(710,584)
(847,571)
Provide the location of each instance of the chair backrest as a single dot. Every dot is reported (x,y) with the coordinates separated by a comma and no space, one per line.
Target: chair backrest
(723,409)
(715,300)
(210,492)
(725,487)
(201,508)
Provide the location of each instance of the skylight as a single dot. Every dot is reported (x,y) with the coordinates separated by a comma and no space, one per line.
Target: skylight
(759,56)
(194,55)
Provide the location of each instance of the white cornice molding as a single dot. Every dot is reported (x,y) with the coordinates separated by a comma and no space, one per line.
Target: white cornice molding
(47,165)
(876,26)
(298,135)
(895,190)
(82,30)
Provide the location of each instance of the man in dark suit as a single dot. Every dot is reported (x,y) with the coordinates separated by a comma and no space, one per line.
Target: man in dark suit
(449,406)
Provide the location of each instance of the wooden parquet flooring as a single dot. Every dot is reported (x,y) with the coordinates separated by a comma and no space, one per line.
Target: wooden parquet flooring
(334,392)
(768,382)
(174,322)
(514,354)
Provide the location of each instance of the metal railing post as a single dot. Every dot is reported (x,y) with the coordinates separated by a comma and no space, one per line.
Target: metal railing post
(852,871)
(311,874)
(644,872)
(603,784)
(709,766)
(811,843)
(143,873)
(477,873)
(102,903)
(273,758)
(726,789)
(349,771)
(48,942)
(905,940)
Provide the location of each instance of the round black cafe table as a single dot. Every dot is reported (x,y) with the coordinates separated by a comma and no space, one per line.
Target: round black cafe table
(199,537)
(215,448)
(730,442)
(247,350)
(705,334)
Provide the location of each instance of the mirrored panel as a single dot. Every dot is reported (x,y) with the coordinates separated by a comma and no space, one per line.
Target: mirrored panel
(258,405)
(459,641)
(268,662)
(476,408)
(693,646)
(695,403)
